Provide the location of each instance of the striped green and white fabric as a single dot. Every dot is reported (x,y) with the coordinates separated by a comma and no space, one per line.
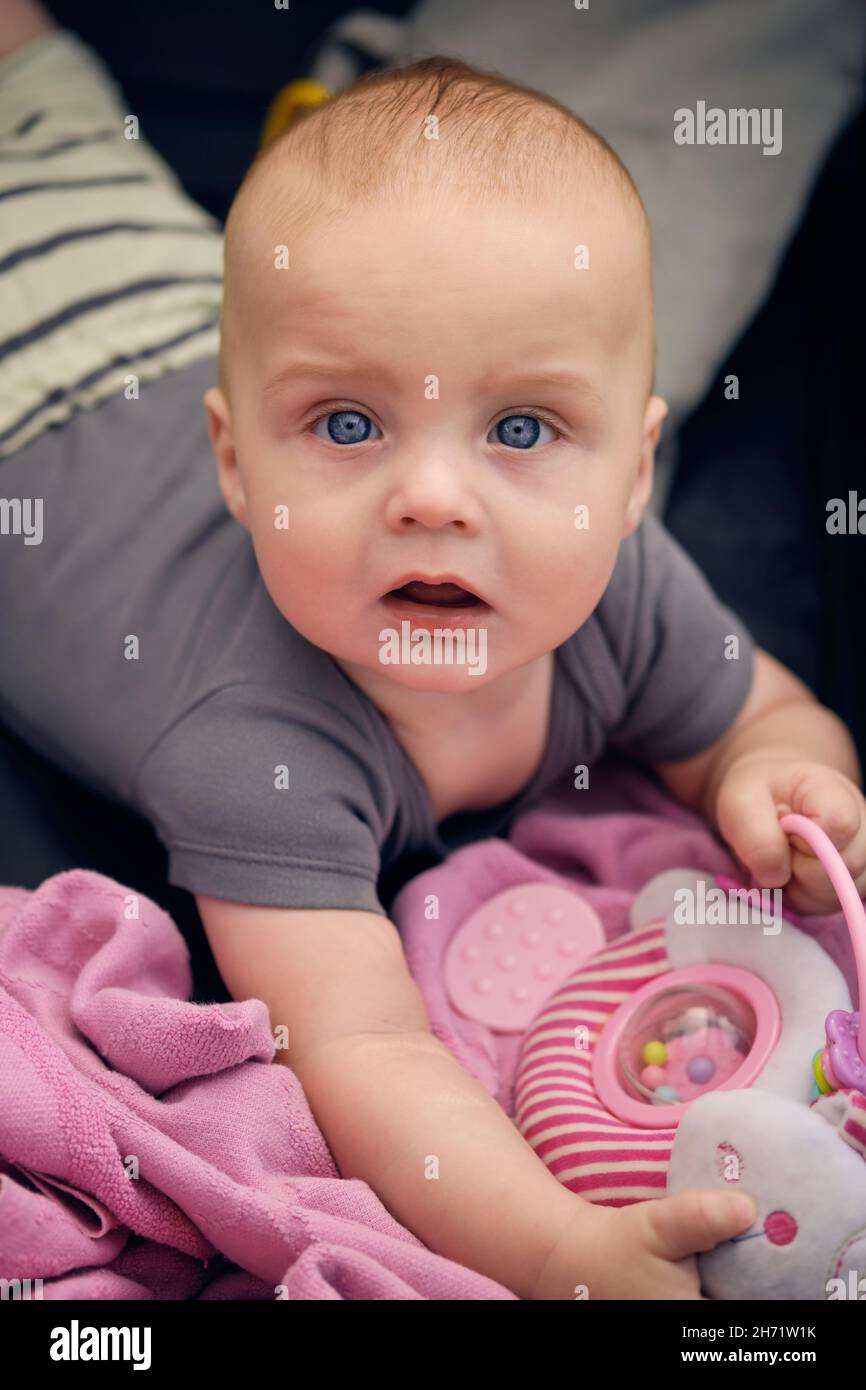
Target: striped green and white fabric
(109,272)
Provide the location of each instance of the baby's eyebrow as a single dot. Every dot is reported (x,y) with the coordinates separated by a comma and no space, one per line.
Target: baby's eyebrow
(559,379)
(299,367)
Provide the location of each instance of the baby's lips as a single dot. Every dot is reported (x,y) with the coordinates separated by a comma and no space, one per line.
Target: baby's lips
(449,588)
(435,593)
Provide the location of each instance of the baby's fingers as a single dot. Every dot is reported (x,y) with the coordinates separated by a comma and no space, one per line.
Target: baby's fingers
(749,821)
(810,891)
(697,1220)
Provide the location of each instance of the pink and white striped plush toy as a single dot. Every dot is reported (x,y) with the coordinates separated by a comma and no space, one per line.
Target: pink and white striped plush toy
(680,1056)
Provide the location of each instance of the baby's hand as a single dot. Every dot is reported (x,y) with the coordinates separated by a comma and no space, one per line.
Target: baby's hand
(760,787)
(646,1250)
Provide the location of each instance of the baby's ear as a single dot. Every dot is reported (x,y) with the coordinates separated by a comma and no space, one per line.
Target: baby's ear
(656,410)
(219,424)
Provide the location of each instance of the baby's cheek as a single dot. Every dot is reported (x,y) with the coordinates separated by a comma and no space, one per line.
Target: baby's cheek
(291,560)
(574,565)
(281,518)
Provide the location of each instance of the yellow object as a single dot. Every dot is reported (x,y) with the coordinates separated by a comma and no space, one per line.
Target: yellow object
(655,1054)
(299,96)
(820,1079)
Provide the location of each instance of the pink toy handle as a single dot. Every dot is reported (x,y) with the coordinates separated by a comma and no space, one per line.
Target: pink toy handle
(852,907)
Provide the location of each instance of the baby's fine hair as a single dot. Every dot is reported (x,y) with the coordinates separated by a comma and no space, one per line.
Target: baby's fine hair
(434,126)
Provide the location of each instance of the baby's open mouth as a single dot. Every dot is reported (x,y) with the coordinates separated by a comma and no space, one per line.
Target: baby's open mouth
(435,595)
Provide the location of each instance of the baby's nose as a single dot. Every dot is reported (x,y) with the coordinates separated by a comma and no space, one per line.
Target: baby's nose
(433,493)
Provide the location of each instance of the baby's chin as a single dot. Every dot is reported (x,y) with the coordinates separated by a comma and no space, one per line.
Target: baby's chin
(439,680)
(451,666)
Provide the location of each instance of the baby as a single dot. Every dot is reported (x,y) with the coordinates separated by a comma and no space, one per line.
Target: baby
(435,426)
(437,361)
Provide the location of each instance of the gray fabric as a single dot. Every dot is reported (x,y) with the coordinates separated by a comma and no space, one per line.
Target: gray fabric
(136,540)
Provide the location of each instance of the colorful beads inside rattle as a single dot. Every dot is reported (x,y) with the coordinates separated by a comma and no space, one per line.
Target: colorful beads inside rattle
(654,1053)
(690,1063)
(687,1042)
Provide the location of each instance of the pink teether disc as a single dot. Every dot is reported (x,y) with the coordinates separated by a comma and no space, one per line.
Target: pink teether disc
(512,953)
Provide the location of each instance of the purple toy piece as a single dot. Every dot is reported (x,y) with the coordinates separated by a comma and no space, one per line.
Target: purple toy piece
(847,1066)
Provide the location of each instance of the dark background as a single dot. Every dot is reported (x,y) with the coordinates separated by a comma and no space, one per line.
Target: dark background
(200,74)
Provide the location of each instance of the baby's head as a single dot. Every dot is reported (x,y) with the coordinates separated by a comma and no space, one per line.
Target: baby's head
(437,359)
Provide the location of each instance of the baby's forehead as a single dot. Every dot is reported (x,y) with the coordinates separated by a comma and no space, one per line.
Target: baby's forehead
(591,232)
(574,265)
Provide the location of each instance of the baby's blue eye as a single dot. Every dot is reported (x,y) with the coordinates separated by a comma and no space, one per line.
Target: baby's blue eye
(346,426)
(521,431)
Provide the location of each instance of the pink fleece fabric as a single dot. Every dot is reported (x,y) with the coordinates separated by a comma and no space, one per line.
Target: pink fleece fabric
(104,1063)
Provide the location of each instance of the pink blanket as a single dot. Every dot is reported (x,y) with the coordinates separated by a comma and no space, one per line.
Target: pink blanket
(148,1149)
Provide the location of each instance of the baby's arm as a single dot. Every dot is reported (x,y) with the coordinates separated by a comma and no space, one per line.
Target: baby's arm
(388,1096)
(780,712)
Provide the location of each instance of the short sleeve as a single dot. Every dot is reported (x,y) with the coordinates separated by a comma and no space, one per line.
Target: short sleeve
(685,678)
(269,798)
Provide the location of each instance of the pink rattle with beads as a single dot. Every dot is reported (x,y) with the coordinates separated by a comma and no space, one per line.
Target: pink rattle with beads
(675,1056)
(721,1024)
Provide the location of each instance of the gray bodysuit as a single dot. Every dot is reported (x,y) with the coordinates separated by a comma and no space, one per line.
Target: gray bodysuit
(136,541)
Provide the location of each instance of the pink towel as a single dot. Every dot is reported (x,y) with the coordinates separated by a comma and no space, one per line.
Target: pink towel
(149,1149)
(104,1065)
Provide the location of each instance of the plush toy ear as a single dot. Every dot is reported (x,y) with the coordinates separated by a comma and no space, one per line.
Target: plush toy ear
(809,1186)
